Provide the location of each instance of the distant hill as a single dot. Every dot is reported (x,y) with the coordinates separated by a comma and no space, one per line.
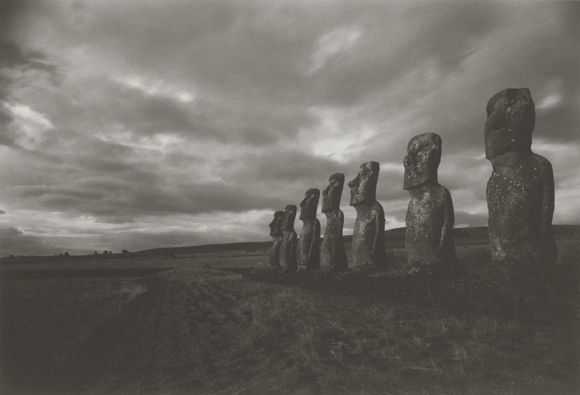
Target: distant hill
(394,238)
(206,248)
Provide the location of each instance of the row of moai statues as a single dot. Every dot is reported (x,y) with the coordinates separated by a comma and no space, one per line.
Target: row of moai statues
(520,199)
(289,254)
(368,243)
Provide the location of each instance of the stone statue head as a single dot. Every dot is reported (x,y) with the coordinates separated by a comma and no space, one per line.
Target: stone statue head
(289,217)
(363,189)
(276,224)
(511,118)
(333,192)
(422,160)
(309,204)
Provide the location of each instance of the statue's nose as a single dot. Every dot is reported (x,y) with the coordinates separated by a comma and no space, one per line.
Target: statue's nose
(353,183)
(408,161)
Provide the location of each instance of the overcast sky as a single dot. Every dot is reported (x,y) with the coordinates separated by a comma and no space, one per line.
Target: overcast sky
(149,123)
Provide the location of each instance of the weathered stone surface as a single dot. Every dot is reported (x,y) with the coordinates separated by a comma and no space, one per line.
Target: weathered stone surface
(520,191)
(511,118)
(368,238)
(430,217)
(309,243)
(276,233)
(332,254)
(289,241)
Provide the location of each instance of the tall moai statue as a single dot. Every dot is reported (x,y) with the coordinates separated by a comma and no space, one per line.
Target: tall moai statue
(430,217)
(333,254)
(309,243)
(520,191)
(289,241)
(368,238)
(276,233)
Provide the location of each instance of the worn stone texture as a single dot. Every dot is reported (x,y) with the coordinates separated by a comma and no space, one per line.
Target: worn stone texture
(520,200)
(511,118)
(289,244)
(429,228)
(430,217)
(309,243)
(276,234)
(332,253)
(520,191)
(368,238)
(422,161)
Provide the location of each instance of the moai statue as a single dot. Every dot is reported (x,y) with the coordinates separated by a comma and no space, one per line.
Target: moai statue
(520,191)
(276,233)
(430,218)
(289,241)
(368,238)
(309,243)
(333,254)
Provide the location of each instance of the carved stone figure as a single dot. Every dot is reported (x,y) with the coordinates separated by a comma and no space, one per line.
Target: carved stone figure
(333,254)
(430,217)
(289,241)
(368,238)
(276,233)
(309,243)
(520,191)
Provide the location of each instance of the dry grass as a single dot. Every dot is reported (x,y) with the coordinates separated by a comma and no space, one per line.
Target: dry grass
(197,330)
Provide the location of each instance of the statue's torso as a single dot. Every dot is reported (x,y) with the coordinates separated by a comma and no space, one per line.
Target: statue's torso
(288,251)
(425,220)
(275,252)
(308,245)
(368,241)
(333,254)
(516,200)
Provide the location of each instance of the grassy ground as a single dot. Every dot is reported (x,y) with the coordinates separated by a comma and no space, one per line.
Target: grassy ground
(176,326)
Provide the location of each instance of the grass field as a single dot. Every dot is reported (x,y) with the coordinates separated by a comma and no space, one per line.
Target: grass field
(217,323)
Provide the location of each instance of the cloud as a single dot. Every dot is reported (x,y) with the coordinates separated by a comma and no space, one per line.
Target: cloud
(28,126)
(15,242)
(10,12)
(332,43)
(19,124)
(17,63)
(397,39)
(13,56)
(132,116)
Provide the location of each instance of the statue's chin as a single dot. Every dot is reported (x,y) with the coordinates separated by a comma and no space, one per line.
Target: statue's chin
(492,154)
(358,201)
(305,214)
(414,184)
